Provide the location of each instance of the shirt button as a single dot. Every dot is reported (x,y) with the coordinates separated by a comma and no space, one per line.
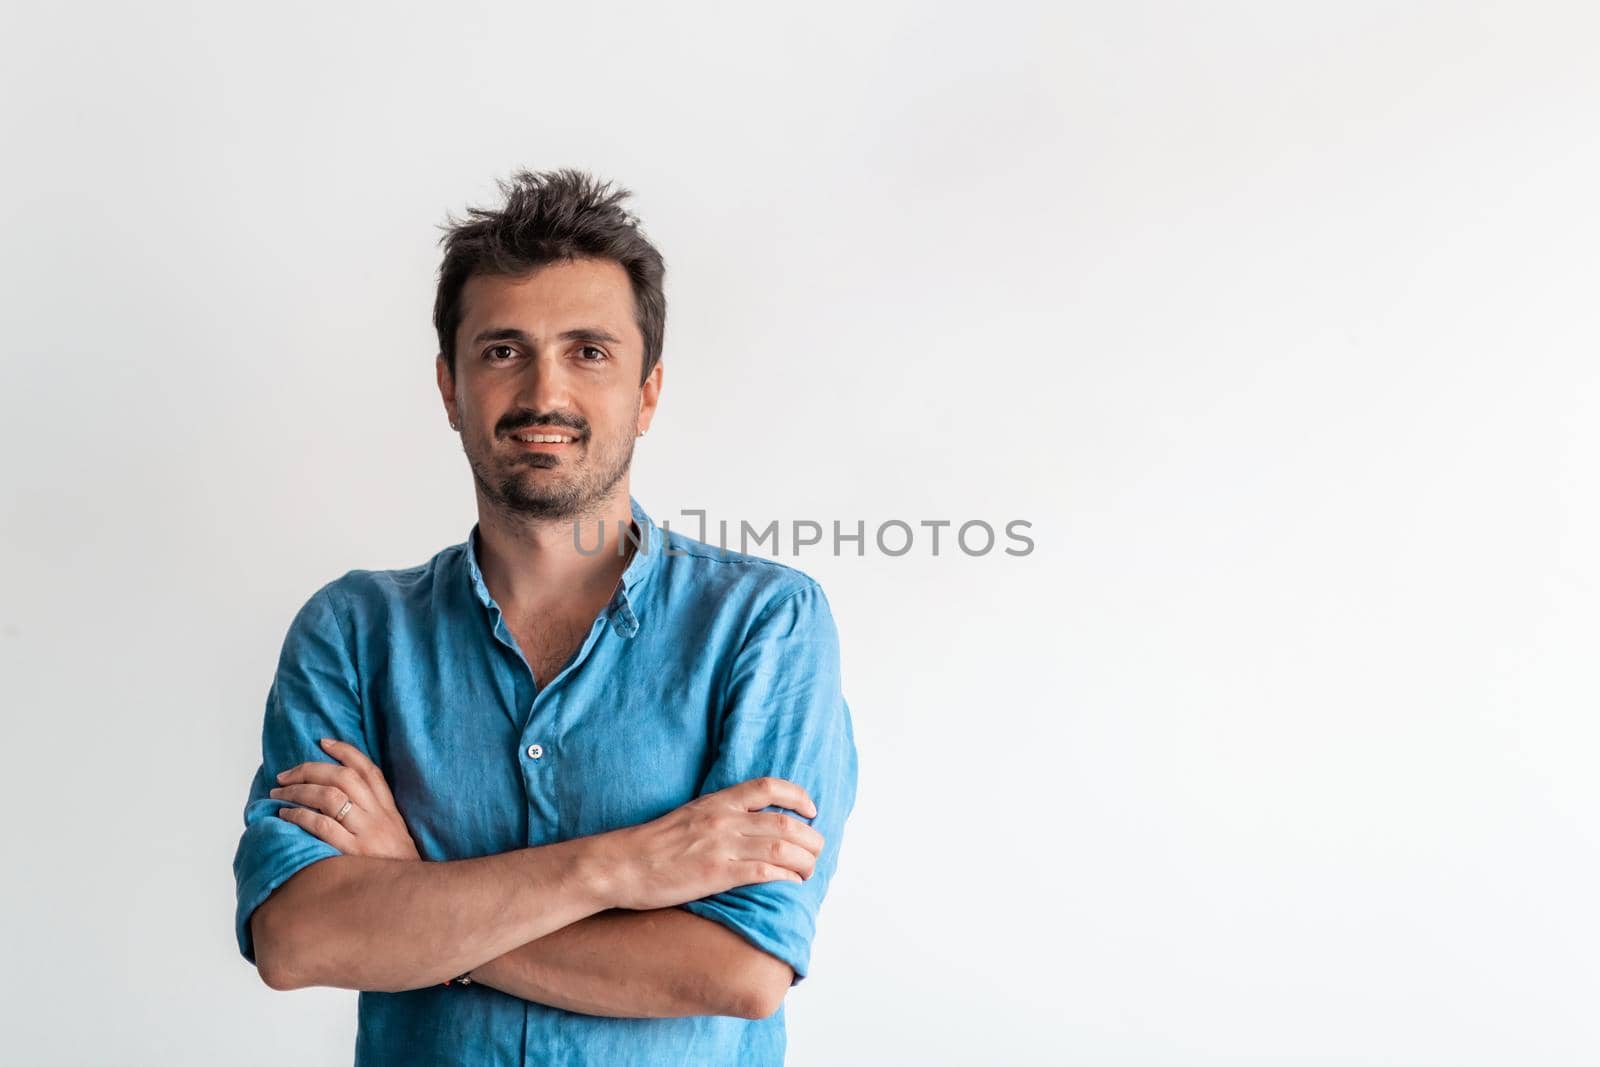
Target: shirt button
(535,751)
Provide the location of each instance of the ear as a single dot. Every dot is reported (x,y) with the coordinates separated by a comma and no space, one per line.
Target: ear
(649,395)
(447,389)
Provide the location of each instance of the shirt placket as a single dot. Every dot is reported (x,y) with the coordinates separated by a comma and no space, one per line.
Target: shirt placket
(539,762)
(538,743)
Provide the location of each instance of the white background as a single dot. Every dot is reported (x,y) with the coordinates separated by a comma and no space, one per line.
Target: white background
(1277,321)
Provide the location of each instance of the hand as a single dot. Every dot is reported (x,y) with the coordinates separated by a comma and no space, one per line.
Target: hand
(711,844)
(372,827)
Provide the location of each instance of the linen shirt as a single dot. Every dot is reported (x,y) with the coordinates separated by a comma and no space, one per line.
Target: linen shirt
(707,667)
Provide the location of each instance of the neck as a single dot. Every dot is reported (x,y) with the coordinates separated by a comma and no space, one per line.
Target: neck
(534,565)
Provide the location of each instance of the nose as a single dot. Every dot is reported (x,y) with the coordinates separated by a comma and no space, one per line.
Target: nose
(545,385)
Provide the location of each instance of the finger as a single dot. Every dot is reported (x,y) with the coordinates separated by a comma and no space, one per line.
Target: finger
(323,772)
(757,793)
(357,760)
(750,872)
(321,826)
(327,799)
(778,824)
(777,851)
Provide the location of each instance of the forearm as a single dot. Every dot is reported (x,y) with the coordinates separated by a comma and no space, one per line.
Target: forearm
(659,963)
(359,922)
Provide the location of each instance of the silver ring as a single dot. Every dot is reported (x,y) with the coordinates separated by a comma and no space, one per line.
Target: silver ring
(342,812)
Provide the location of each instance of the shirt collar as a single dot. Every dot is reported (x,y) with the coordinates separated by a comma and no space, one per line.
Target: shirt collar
(624,619)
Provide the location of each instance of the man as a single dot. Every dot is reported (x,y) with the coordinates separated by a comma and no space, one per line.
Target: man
(542,803)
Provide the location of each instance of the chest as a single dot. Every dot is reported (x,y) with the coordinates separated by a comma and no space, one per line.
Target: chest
(548,643)
(575,730)
(482,759)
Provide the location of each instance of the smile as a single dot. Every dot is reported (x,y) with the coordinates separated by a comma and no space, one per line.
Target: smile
(544,438)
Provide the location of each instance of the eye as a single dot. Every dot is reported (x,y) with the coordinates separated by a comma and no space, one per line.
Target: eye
(499,348)
(600,354)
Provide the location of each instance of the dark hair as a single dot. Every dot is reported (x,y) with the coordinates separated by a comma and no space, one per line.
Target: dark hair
(549,216)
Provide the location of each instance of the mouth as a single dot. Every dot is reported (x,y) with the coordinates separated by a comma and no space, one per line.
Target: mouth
(544,440)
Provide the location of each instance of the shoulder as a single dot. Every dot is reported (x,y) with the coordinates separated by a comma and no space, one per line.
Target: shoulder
(365,593)
(737,599)
(749,583)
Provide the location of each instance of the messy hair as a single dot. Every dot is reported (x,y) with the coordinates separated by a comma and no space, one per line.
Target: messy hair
(548,216)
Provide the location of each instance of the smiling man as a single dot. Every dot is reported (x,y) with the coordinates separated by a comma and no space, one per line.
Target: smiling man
(538,803)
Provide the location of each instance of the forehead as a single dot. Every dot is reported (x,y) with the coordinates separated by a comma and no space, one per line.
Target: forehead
(557,296)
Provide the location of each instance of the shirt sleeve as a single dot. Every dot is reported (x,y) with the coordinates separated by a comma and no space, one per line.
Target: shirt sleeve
(785,715)
(314,694)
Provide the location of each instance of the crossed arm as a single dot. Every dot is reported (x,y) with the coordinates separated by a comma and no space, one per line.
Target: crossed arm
(650,964)
(661,962)
(541,923)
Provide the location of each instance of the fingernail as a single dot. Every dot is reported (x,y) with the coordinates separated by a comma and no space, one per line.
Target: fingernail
(281,774)
(273,792)
(326,741)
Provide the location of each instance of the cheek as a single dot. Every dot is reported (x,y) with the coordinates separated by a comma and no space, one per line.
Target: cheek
(485,413)
(614,421)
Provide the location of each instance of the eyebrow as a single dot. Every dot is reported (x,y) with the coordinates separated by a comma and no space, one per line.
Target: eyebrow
(580,333)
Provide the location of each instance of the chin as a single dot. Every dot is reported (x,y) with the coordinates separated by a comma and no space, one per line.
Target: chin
(551,501)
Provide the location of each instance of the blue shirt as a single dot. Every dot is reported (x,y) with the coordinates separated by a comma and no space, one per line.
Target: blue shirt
(707,668)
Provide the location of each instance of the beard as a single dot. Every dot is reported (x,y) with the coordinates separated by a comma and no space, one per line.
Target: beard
(538,485)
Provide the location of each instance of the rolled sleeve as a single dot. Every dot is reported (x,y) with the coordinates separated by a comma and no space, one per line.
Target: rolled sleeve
(314,694)
(785,715)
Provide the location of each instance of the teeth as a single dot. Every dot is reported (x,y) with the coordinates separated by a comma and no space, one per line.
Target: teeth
(543,438)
